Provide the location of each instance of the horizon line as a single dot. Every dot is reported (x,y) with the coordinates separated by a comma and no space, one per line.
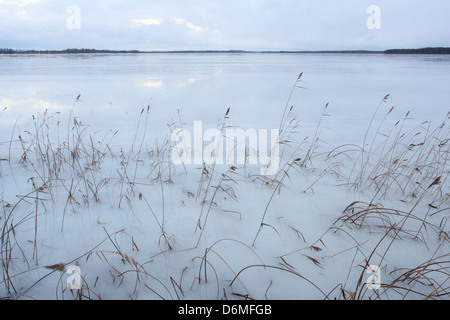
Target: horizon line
(445,50)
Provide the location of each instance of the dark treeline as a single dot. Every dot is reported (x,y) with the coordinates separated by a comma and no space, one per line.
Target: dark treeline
(66,51)
(419,51)
(79,51)
(91,51)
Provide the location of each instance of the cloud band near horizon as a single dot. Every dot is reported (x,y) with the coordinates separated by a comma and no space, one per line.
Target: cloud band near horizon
(220,25)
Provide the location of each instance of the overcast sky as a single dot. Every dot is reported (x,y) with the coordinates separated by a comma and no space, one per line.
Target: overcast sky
(223,24)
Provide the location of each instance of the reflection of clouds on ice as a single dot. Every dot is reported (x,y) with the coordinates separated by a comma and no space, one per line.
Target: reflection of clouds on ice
(153,83)
(158,83)
(31,103)
(185,83)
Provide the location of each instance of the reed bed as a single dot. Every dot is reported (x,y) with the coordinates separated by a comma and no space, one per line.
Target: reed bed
(140,227)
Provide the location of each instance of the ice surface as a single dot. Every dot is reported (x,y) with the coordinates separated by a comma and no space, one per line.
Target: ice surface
(130,220)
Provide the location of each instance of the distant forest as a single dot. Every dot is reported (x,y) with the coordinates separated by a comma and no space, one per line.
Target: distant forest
(419,51)
(90,51)
(66,51)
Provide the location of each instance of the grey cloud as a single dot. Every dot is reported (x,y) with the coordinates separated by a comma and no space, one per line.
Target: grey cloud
(217,24)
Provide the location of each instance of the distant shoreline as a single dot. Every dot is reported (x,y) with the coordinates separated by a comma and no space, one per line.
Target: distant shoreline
(436,50)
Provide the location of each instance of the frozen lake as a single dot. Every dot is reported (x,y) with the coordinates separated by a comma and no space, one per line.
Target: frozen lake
(114,88)
(97,203)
